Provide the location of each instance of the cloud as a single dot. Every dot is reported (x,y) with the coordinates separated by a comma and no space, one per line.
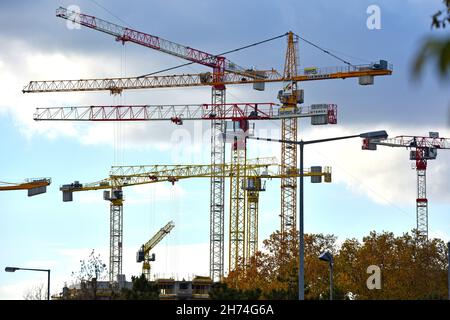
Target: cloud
(180,261)
(439,234)
(146,193)
(18,289)
(20,63)
(90,198)
(384,175)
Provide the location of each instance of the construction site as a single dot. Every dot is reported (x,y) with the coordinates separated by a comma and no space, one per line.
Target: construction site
(233,186)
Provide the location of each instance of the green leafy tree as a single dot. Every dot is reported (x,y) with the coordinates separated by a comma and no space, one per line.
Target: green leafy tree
(221,291)
(142,290)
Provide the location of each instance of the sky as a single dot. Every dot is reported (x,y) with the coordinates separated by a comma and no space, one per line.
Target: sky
(371,190)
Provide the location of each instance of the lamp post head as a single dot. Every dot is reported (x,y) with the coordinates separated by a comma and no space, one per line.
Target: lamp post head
(11,269)
(382,134)
(326,256)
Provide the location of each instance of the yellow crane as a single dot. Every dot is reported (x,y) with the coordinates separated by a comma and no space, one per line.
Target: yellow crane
(143,255)
(124,176)
(34,186)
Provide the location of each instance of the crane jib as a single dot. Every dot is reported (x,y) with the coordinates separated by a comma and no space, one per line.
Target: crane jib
(126,34)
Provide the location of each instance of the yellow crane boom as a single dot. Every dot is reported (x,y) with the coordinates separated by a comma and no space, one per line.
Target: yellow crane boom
(138,175)
(125,176)
(143,255)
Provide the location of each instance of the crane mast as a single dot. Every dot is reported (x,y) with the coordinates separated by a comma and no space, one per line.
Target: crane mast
(237,195)
(290,97)
(423,149)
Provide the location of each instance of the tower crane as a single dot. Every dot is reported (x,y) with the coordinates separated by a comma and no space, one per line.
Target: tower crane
(124,176)
(239,113)
(34,186)
(143,255)
(422,150)
(223,73)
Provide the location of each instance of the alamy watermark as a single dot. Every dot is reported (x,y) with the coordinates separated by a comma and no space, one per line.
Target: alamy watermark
(374,20)
(374,280)
(73,17)
(192,144)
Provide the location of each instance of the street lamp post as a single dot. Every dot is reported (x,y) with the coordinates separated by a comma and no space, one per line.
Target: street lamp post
(301,270)
(326,256)
(14,269)
(448,270)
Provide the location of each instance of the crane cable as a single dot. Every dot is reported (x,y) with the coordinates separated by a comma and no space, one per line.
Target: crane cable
(324,50)
(235,50)
(220,54)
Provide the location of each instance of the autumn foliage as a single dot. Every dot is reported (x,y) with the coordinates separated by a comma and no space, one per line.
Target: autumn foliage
(411,268)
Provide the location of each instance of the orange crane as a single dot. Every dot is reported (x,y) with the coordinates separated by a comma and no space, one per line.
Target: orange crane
(34,186)
(223,73)
(423,149)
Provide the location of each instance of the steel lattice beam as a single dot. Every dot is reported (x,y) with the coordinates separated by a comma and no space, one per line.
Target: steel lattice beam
(237,206)
(115,239)
(422,203)
(217,190)
(117,85)
(252,224)
(125,34)
(289,151)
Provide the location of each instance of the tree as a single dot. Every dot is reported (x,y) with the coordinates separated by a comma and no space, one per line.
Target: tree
(437,49)
(412,267)
(93,268)
(142,290)
(37,292)
(221,291)
(274,271)
(90,272)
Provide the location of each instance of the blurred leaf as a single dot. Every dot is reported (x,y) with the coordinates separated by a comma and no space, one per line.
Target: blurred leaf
(436,50)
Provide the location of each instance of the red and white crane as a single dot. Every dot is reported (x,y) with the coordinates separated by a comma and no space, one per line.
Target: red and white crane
(422,150)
